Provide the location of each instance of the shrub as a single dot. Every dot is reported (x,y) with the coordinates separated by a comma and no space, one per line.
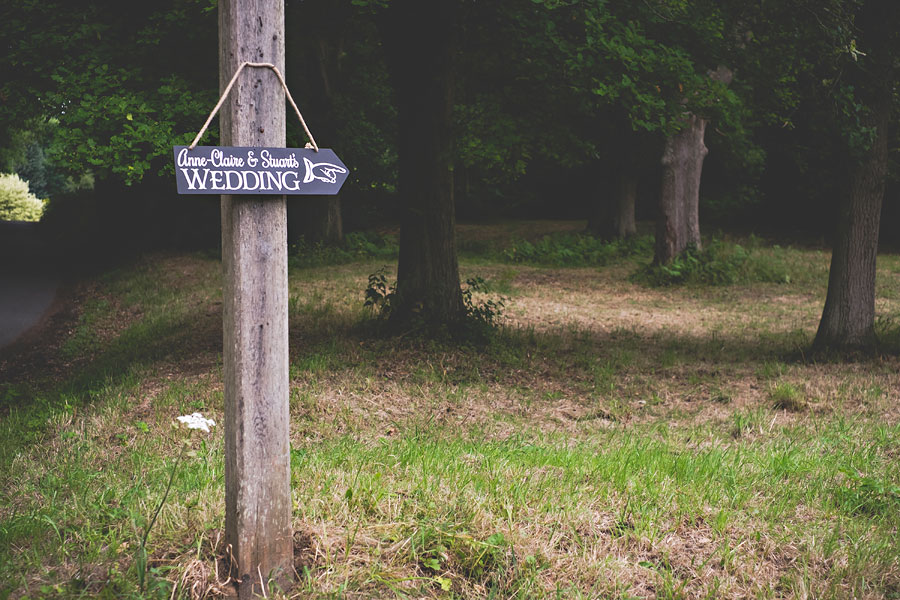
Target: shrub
(480,319)
(720,263)
(573,250)
(16,202)
(356,246)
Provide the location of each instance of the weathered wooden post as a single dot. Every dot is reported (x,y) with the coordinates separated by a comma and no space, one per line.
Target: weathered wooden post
(254,258)
(253,164)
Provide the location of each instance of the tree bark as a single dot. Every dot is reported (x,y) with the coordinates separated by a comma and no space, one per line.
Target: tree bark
(317,219)
(419,43)
(678,222)
(255,324)
(613,219)
(848,319)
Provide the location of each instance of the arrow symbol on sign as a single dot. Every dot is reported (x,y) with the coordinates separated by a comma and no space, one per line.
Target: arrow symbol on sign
(323,171)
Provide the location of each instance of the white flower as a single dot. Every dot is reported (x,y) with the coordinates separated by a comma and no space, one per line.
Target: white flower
(197,421)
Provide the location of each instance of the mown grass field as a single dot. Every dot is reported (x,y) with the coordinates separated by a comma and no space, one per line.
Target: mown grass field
(611,439)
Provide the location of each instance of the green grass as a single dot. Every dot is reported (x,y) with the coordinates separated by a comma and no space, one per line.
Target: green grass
(722,263)
(610,440)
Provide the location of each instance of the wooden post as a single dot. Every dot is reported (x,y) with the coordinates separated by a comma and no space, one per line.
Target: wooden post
(254,258)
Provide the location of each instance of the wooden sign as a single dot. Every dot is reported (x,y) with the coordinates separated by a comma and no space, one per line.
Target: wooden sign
(268,171)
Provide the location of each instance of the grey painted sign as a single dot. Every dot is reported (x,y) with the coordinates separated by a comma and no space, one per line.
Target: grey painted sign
(270,171)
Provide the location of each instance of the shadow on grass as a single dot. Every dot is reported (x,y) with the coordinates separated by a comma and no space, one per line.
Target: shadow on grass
(27,408)
(511,355)
(327,342)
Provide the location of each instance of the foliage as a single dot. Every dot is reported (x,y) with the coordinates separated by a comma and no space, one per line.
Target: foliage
(720,263)
(26,155)
(43,180)
(611,76)
(355,246)
(113,76)
(485,314)
(379,293)
(865,494)
(573,250)
(16,202)
(337,72)
(480,319)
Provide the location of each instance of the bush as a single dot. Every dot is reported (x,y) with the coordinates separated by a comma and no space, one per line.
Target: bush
(574,250)
(16,202)
(480,319)
(356,246)
(720,263)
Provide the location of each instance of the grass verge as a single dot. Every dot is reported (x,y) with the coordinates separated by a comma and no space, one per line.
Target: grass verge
(610,440)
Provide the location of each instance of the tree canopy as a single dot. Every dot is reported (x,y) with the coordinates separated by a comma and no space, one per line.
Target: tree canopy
(561,108)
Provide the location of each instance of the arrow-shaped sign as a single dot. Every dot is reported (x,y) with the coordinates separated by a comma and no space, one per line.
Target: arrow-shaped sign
(270,171)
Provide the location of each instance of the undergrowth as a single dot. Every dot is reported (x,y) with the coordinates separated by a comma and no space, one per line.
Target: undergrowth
(356,246)
(720,263)
(575,250)
(479,321)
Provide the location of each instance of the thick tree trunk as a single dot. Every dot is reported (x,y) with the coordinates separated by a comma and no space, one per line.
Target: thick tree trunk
(848,320)
(420,52)
(678,222)
(614,218)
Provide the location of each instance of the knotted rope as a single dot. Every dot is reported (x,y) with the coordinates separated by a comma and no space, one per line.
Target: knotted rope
(228,89)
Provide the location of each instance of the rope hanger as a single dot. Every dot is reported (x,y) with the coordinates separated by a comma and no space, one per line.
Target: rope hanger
(228,89)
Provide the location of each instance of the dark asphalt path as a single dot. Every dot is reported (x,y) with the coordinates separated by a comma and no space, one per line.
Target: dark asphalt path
(24,299)
(28,285)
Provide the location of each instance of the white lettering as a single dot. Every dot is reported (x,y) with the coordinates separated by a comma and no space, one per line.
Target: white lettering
(268,162)
(233,180)
(251,160)
(296,184)
(246,175)
(194,181)
(274,180)
(263,182)
(218,159)
(184,160)
(238,185)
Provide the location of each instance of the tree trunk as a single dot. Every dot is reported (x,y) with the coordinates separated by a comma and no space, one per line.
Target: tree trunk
(418,40)
(625,226)
(317,219)
(848,320)
(678,222)
(614,220)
